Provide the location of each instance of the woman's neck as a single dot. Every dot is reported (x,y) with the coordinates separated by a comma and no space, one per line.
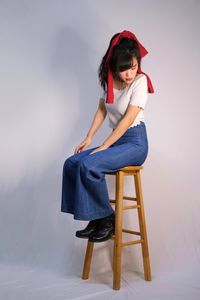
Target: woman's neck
(119,85)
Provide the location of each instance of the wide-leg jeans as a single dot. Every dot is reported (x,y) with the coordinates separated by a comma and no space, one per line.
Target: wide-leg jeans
(84,188)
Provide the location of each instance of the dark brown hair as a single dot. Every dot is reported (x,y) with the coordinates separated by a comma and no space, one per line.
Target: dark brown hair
(121,59)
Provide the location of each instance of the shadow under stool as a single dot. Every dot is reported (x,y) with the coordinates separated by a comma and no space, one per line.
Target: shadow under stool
(117,236)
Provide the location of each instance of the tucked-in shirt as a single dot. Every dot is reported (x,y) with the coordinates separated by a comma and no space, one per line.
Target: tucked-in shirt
(135,94)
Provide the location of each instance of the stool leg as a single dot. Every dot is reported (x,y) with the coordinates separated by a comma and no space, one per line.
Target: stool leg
(118,231)
(88,258)
(142,224)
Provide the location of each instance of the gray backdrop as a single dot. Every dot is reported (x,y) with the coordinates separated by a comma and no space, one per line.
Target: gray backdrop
(49,55)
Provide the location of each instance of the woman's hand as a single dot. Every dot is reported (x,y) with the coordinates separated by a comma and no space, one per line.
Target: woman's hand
(103,147)
(85,143)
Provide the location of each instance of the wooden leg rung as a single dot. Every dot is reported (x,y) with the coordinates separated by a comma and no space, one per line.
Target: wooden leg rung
(130,198)
(132,243)
(130,207)
(127,231)
(131,231)
(124,198)
(112,201)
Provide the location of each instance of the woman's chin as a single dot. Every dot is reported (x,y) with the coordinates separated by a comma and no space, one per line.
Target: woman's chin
(129,81)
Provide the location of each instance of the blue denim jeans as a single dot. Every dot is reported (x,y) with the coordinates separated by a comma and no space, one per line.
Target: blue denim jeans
(84,188)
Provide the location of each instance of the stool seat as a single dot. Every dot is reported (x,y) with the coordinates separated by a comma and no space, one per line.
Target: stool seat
(127,169)
(119,230)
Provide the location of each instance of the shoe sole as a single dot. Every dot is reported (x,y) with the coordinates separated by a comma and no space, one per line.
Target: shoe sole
(102,240)
(83,237)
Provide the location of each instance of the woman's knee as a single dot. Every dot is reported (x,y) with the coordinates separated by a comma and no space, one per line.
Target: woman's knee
(78,159)
(72,161)
(69,162)
(89,168)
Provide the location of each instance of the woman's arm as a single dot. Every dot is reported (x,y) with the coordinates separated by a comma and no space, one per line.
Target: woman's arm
(123,125)
(121,128)
(98,119)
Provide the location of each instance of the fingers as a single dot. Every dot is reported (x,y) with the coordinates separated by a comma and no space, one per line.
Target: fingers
(80,148)
(77,149)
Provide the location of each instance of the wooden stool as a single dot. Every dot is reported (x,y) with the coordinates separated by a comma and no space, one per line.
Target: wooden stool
(117,237)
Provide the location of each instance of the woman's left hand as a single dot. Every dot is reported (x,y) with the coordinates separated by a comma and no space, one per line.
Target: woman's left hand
(103,147)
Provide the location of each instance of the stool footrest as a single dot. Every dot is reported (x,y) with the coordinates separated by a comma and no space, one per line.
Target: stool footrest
(125,198)
(131,231)
(129,198)
(130,206)
(128,243)
(132,243)
(112,201)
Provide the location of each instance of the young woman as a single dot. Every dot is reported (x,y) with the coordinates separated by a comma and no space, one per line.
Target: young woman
(124,94)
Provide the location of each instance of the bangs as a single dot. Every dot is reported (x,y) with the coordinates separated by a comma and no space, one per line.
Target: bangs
(124,63)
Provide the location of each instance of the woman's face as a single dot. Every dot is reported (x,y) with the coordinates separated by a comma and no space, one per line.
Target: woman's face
(128,75)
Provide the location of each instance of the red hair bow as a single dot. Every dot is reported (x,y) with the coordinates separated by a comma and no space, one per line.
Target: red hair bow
(143,52)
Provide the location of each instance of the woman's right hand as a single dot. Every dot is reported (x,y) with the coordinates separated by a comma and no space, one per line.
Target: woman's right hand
(85,143)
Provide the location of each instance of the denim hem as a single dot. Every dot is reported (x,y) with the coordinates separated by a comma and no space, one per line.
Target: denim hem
(91,216)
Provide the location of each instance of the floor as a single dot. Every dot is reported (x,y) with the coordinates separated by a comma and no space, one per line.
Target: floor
(24,283)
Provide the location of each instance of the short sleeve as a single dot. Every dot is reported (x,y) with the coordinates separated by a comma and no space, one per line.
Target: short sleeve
(139,92)
(102,93)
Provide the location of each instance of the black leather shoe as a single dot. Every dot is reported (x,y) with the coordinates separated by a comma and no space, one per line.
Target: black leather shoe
(105,229)
(90,228)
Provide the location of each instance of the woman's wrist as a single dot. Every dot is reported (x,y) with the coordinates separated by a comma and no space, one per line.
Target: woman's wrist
(89,135)
(105,145)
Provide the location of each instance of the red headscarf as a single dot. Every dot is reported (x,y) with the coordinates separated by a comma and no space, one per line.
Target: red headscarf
(143,52)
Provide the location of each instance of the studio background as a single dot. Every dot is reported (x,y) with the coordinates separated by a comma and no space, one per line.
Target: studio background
(49,56)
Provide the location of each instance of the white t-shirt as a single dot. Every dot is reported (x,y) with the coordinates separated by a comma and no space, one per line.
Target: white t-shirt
(135,94)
